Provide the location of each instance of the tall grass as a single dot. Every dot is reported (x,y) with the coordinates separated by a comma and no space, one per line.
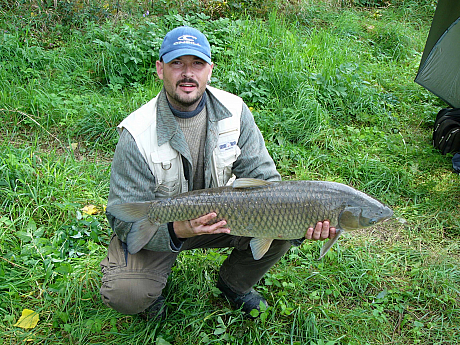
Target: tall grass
(331,88)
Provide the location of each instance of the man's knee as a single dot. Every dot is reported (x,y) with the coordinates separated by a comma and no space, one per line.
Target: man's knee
(131,295)
(131,283)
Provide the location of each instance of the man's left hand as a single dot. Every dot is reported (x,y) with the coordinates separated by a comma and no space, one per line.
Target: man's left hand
(321,232)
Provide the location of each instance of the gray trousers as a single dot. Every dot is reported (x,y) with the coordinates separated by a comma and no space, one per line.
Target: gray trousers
(131,283)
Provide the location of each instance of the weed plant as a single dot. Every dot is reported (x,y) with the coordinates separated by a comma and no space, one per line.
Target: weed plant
(331,87)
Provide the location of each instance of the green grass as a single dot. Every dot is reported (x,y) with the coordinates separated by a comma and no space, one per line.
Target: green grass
(331,88)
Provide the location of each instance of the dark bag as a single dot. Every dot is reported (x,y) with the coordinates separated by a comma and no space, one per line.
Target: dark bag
(446,134)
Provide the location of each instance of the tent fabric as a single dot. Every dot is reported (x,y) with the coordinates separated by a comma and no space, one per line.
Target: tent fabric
(439,70)
(440,73)
(447,12)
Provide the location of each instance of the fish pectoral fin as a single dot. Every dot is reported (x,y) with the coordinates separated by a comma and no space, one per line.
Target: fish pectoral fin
(247,182)
(259,246)
(328,245)
(140,234)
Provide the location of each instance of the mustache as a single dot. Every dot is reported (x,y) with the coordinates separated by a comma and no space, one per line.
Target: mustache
(187,81)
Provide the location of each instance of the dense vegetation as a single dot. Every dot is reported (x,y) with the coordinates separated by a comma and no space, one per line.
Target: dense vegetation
(331,87)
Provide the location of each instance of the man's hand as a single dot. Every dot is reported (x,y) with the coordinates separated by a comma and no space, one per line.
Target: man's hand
(321,232)
(200,226)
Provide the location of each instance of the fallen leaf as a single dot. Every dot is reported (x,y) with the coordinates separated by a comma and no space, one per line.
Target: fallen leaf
(90,209)
(161,341)
(28,319)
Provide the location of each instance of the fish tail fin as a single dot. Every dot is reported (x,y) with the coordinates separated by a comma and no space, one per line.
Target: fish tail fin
(130,212)
(142,229)
(259,246)
(328,245)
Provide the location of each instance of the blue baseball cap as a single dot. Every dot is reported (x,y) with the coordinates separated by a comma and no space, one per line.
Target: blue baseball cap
(185,40)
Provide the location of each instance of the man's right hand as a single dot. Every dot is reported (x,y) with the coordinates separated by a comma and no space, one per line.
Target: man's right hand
(200,226)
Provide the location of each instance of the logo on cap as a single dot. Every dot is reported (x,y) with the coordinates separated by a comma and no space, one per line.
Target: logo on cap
(187,39)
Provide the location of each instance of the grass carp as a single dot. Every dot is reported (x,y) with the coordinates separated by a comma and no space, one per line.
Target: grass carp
(259,209)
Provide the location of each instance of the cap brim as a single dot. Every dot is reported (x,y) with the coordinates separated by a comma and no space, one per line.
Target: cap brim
(168,57)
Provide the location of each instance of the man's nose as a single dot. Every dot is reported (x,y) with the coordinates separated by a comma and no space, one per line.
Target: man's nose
(187,71)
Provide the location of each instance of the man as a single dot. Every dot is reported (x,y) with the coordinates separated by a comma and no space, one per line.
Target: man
(191,136)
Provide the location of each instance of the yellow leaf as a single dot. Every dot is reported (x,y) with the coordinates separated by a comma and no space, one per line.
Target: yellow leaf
(28,319)
(90,209)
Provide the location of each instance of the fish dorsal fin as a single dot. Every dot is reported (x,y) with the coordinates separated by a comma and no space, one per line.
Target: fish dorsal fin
(247,182)
(260,246)
(328,245)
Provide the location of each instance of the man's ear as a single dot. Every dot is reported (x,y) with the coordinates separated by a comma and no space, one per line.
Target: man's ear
(210,73)
(160,66)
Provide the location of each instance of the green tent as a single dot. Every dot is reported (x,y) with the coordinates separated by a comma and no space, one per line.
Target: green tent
(439,70)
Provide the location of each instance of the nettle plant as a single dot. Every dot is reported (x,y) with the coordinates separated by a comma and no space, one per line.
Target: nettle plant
(349,96)
(52,258)
(129,55)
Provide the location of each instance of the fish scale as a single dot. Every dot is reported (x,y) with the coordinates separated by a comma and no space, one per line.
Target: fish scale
(259,209)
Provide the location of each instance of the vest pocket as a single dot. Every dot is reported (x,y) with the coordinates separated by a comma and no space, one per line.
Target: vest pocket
(168,172)
(225,154)
(168,189)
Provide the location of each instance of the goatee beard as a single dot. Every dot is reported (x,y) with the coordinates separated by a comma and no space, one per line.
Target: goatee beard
(184,102)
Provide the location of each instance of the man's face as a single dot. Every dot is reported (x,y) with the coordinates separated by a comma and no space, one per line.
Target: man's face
(184,80)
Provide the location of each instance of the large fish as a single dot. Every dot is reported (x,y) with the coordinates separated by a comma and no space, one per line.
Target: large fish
(259,209)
